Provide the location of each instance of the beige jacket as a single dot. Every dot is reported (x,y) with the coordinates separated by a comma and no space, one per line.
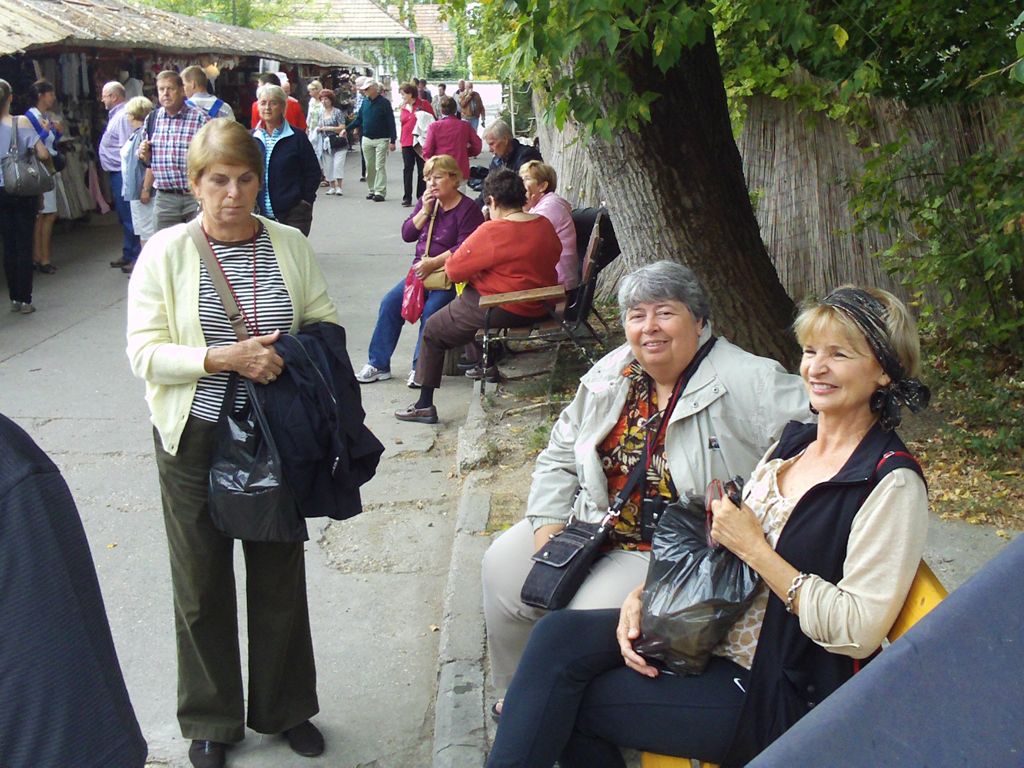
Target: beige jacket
(166,346)
(733,408)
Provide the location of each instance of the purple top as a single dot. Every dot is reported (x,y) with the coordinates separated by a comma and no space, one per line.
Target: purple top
(118,131)
(558,211)
(451,228)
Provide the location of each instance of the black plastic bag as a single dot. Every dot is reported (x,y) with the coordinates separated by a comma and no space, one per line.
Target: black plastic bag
(248,496)
(695,590)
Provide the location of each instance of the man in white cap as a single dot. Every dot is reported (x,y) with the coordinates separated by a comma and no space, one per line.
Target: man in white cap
(376,120)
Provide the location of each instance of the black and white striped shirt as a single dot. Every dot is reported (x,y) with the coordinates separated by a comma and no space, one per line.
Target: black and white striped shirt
(272,309)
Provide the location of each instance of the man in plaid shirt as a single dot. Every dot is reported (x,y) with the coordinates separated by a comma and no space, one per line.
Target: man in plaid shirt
(170,130)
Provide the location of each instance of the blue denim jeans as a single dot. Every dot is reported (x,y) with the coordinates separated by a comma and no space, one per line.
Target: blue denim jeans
(390,322)
(130,246)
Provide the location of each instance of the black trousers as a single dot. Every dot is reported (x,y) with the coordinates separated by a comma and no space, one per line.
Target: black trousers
(410,161)
(282,673)
(17,227)
(573,700)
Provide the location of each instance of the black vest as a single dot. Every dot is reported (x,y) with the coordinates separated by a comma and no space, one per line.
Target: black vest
(791,673)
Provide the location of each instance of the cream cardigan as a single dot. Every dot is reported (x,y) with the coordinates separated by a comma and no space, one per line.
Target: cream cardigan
(166,346)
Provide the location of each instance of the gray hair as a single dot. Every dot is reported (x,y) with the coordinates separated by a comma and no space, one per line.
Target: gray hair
(498,130)
(114,88)
(664,281)
(272,93)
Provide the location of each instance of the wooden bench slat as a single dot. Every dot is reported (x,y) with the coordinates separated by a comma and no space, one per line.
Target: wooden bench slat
(515,297)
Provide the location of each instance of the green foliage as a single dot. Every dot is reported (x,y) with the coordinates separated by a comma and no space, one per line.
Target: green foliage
(392,55)
(959,236)
(254,14)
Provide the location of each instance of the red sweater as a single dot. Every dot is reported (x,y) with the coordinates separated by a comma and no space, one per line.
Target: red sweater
(503,256)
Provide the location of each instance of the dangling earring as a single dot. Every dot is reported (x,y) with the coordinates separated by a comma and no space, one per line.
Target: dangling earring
(813,409)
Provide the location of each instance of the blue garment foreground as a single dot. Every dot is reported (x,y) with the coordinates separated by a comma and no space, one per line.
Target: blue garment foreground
(63,701)
(948,692)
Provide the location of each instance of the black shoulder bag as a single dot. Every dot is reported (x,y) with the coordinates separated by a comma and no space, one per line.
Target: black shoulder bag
(562,564)
(248,496)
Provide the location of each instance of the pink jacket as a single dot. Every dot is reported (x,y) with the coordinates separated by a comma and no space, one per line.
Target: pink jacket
(455,137)
(557,210)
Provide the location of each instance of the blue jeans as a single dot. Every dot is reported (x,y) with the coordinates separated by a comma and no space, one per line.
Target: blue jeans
(390,322)
(130,246)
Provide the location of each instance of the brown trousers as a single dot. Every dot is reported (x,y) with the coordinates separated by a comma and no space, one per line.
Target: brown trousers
(454,326)
(282,672)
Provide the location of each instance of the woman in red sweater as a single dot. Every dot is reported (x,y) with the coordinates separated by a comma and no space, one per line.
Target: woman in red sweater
(514,251)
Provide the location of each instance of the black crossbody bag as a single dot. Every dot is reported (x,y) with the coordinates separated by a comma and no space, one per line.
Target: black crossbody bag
(562,564)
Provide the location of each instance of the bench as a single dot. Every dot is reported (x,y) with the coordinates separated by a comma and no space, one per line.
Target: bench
(926,592)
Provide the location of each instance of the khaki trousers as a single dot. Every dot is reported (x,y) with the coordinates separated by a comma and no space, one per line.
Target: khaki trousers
(282,673)
(375,152)
(509,621)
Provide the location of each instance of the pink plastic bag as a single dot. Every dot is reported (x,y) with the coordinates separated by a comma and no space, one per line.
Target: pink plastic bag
(413,297)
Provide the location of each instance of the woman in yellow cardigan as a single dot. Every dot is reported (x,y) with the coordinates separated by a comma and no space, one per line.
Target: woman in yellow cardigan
(181,343)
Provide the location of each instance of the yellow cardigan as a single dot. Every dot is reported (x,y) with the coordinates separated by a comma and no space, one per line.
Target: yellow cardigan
(166,346)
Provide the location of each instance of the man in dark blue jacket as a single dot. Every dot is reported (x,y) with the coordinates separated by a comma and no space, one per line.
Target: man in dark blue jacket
(376,121)
(291,173)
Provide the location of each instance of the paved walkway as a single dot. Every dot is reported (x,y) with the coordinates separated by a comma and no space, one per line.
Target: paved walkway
(375,582)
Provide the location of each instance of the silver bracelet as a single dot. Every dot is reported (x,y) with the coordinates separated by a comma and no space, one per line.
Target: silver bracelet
(791,592)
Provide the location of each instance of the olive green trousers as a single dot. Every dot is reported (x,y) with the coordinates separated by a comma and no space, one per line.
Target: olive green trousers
(282,672)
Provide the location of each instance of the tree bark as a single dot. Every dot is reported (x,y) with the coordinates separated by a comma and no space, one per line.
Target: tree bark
(676,191)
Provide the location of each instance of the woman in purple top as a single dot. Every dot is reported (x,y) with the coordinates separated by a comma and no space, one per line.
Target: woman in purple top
(540,180)
(455,219)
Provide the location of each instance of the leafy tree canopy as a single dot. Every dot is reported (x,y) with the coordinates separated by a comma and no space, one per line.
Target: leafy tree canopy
(921,51)
(254,14)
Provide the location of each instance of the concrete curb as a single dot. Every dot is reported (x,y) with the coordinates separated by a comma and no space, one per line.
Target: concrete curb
(460,732)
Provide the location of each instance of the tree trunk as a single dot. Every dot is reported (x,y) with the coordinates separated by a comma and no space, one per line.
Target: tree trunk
(676,191)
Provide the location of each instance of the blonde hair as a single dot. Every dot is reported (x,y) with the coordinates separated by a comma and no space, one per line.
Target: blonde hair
(444,164)
(541,172)
(816,319)
(138,108)
(223,141)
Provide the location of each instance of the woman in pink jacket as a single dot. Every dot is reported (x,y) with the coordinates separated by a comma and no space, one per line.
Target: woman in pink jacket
(452,136)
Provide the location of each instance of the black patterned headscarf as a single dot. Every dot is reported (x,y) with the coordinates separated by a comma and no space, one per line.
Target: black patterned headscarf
(868,314)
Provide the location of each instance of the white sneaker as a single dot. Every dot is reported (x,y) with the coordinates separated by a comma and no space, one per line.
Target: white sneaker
(330,191)
(411,381)
(369,374)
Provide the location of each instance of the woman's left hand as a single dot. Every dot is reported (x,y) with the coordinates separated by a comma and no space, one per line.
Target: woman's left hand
(736,528)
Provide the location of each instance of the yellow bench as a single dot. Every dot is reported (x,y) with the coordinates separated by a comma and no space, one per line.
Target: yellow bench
(926,592)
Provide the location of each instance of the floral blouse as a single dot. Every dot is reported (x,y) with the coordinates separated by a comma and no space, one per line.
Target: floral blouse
(623,447)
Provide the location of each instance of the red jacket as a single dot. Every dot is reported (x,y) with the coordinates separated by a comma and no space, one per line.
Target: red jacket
(407,119)
(455,137)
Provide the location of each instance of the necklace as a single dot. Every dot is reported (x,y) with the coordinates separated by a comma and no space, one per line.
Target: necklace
(253,326)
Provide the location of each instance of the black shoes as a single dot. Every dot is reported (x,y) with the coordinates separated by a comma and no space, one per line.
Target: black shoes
(378,198)
(407,203)
(370,196)
(305,739)
(207,754)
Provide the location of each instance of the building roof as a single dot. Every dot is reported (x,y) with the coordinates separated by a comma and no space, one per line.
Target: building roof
(348,20)
(430,25)
(26,25)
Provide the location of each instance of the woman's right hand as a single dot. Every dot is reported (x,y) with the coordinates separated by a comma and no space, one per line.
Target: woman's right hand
(254,358)
(628,631)
(428,200)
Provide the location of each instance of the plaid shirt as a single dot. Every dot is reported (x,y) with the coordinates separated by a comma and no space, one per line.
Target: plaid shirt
(171,136)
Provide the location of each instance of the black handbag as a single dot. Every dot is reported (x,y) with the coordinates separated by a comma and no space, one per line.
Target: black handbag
(562,564)
(25,175)
(248,496)
(337,141)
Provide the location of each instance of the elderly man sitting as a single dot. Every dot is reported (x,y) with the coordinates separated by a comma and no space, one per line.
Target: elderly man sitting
(507,150)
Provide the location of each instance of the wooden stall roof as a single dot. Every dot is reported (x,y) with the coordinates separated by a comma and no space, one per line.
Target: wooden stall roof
(27,25)
(348,20)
